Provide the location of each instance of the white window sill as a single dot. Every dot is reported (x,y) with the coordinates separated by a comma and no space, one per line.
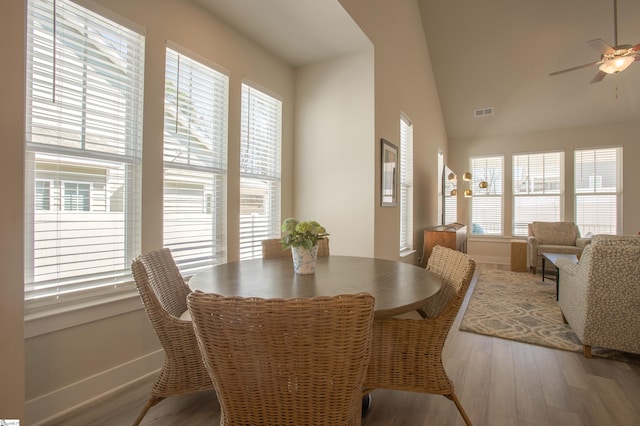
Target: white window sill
(60,317)
(406,253)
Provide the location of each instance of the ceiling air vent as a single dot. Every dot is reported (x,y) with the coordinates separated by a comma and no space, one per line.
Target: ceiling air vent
(483,112)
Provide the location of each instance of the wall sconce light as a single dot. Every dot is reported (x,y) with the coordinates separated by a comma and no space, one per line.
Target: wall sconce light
(468,193)
(483,184)
(452,176)
(466,176)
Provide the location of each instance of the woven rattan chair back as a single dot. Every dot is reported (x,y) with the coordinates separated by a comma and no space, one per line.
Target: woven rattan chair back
(272,248)
(402,345)
(285,361)
(164,297)
(323,247)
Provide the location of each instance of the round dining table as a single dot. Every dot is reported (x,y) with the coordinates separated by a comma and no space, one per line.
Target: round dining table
(396,287)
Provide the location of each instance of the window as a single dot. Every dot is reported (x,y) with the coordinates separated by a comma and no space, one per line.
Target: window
(538,189)
(406,184)
(486,204)
(598,190)
(83,143)
(76,197)
(260,145)
(441,210)
(43,195)
(195,162)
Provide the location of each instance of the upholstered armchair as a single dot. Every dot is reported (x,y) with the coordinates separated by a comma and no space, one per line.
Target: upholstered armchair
(553,237)
(600,296)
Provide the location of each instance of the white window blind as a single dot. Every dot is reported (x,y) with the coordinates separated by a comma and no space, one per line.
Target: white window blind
(538,189)
(195,162)
(440,188)
(260,146)
(598,190)
(83,144)
(406,184)
(486,205)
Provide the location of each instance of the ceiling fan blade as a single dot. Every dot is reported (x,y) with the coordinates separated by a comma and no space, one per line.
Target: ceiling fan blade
(574,68)
(598,77)
(601,46)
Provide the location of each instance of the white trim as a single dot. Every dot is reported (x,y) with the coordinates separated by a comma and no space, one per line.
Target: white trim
(60,402)
(407,252)
(58,319)
(498,260)
(501,239)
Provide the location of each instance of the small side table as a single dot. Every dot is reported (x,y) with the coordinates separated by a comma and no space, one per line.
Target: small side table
(518,256)
(553,258)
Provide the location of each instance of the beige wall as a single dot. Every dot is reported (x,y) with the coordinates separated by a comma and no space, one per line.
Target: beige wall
(619,134)
(334,157)
(403,83)
(12,18)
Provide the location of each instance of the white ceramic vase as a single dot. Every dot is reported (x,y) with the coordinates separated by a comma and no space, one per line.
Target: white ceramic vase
(304,260)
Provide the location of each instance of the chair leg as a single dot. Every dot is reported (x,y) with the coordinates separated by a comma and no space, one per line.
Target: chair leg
(150,403)
(463,413)
(587,351)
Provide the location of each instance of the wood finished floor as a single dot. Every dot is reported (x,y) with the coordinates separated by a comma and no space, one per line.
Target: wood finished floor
(499,382)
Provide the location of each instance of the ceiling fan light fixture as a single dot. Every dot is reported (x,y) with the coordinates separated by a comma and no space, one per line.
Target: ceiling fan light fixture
(616,65)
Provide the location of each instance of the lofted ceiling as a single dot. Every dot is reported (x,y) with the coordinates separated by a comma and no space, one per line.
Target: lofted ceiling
(490,53)
(299,32)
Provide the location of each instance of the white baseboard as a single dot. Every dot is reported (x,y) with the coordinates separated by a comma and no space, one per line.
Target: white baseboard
(499,260)
(48,407)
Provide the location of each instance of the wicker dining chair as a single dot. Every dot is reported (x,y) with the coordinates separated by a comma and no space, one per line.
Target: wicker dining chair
(284,362)
(272,248)
(164,297)
(407,352)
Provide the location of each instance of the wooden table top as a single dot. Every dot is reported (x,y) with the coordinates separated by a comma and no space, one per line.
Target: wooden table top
(397,287)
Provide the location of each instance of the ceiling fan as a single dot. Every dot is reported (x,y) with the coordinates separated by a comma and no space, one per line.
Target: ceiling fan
(613,59)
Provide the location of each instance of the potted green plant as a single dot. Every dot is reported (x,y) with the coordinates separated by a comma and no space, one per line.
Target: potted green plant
(303,238)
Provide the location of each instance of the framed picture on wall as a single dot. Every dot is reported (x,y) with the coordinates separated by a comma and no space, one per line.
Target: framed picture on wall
(389,174)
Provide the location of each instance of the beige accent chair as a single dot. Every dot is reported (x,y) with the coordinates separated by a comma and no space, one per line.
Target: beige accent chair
(272,248)
(164,297)
(553,237)
(407,352)
(600,296)
(298,361)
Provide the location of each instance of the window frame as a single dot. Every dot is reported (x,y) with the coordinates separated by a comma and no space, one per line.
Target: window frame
(260,167)
(616,194)
(55,114)
(533,195)
(406,184)
(482,172)
(194,160)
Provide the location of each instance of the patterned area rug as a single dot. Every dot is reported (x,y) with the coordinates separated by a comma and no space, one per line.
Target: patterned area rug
(519,306)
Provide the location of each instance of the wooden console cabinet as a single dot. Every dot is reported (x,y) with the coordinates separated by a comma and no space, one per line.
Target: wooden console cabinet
(453,235)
